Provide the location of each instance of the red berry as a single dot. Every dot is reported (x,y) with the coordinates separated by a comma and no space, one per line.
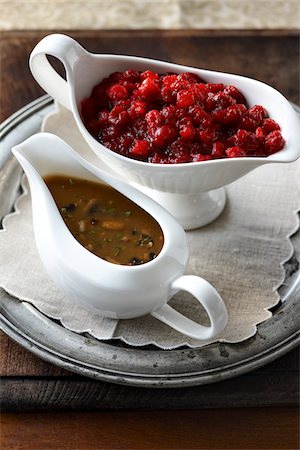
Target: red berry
(140,148)
(137,109)
(130,87)
(169,80)
(115,78)
(198,94)
(164,135)
(247,123)
(235,152)
(215,87)
(220,100)
(185,99)
(258,113)
(269,125)
(154,119)
(117,92)
(168,95)
(103,118)
(218,150)
(200,117)
(177,152)
(247,140)
(185,121)
(149,90)
(259,133)
(168,114)
(231,115)
(187,133)
(207,136)
(235,93)
(131,76)
(125,143)
(190,77)
(149,74)
(274,142)
(119,118)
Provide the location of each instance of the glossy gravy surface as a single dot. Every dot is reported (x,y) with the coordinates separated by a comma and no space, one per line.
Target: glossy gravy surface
(105,222)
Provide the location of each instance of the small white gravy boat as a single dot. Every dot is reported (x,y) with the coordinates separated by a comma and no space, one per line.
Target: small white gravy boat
(116,291)
(192,192)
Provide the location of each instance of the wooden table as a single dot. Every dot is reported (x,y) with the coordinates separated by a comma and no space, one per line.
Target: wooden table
(178,419)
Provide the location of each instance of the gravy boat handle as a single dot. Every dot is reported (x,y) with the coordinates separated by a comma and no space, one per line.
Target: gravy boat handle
(208,297)
(68,51)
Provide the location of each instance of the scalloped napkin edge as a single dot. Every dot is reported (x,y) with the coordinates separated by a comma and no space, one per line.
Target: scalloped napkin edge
(241,255)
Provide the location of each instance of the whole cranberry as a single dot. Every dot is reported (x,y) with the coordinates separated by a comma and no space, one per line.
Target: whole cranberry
(164,135)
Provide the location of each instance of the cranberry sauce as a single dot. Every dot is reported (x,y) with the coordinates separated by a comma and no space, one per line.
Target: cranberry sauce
(177,118)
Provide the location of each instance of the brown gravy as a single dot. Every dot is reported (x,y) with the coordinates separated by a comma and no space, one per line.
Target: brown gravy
(105,222)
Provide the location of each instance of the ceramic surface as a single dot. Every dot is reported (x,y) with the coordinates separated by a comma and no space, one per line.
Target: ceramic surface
(84,70)
(114,290)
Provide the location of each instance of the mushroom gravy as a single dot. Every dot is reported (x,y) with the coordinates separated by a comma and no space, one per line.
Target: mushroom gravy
(106,222)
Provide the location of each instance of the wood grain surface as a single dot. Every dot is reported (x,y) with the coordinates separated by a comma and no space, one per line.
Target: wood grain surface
(257,428)
(28,383)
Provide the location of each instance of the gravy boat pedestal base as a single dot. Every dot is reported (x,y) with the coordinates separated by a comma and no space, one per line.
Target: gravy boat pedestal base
(192,210)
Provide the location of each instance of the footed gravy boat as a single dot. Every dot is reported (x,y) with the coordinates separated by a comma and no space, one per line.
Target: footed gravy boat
(193,191)
(115,291)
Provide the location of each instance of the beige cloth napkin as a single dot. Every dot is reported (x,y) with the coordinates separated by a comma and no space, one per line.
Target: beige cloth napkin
(241,254)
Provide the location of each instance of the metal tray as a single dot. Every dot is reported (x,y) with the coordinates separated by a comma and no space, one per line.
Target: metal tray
(114,361)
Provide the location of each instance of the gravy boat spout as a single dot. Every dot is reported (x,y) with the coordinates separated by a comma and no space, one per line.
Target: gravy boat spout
(175,186)
(114,290)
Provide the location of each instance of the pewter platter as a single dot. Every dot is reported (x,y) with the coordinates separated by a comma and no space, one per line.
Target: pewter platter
(114,361)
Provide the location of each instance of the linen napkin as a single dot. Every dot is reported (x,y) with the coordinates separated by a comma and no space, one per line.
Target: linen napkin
(241,254)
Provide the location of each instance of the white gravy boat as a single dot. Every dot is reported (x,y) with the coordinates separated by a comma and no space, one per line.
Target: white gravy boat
(114,290)
(192,192)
